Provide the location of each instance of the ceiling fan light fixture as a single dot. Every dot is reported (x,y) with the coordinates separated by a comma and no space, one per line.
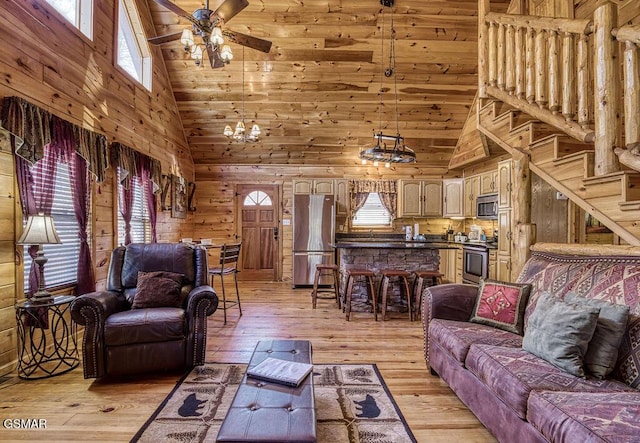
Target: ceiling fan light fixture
(225,54)
(187,39)
(216,37)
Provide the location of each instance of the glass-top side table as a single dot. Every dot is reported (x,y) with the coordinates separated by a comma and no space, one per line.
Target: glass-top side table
(47,338)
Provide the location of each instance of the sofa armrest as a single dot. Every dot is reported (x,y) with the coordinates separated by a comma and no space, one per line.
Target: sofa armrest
(202,301)
(91,310)
(453,301)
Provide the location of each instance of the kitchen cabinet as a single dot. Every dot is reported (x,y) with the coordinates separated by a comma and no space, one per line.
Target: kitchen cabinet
(313,186)
(489,182)
(471,192)
(459,258)
(448,265)
(343,202)
(505,185)
(493,261)
(420,198)
(453,197)
(504,231)
(503,268)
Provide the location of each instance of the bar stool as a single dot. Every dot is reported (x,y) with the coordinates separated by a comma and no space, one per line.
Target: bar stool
(324,269)
(352,274)
(418,283)
(387,274)
(229,256)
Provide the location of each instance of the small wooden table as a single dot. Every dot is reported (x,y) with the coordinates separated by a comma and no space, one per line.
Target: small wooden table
(272,412)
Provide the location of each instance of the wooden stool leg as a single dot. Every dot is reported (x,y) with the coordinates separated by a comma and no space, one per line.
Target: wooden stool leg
(417,293)
(374,297)
(336,286)
(385,286)
(314,291)
(348,295)
(405,283)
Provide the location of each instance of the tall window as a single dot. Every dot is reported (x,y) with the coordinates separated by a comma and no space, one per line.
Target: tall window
(140,222)
(372,213)
(78,12)
(62,267)
(133,54)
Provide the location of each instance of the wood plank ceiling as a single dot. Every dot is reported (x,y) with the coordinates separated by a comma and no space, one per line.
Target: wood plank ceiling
(315,95)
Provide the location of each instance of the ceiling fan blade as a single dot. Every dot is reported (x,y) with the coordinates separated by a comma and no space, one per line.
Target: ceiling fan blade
(164,38)
(214,58)
(248,40)
(229,8)
(177,10)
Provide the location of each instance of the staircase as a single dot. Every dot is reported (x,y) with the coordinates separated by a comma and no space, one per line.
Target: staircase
(568,165)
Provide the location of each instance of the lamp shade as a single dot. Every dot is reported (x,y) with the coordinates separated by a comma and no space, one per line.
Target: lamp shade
(40,230)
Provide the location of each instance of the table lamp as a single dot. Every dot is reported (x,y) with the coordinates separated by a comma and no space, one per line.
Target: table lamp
(40,230)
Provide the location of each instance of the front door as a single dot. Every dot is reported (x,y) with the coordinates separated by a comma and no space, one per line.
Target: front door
(258,212)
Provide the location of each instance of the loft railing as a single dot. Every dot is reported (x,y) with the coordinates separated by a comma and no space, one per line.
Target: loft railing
(565,72)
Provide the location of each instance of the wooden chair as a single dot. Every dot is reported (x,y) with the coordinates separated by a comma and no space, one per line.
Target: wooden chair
(229,256)
(324,269)
(369,276)
(387,274)
(422,277)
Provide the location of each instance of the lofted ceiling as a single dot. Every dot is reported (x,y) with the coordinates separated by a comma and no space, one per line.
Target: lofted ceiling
(315,95)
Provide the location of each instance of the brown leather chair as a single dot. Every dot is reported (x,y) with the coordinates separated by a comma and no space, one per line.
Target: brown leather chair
(119,340)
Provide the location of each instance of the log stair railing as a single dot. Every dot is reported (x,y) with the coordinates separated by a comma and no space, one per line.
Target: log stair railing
(542,93)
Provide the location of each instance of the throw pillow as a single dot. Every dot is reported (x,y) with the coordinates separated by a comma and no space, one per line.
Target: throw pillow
(602,352)
(559,332)
(628,367)
(501,305)
(158,289)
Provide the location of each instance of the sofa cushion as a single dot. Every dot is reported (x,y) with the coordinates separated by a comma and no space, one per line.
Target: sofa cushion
(144,326)
(628,366)
(602,353)
(512,373)
(501,305)
(158,289)
(586,417)
(457,336)
(560,332)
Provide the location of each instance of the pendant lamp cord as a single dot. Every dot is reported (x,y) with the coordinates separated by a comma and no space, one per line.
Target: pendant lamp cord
(392,67)
(243,85)
(381,70)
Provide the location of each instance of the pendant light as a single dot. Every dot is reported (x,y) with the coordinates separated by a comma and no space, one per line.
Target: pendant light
(240,134)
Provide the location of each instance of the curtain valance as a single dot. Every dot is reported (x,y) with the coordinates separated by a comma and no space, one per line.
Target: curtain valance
(388,186)
(34,128)
(386,189)
(135,164)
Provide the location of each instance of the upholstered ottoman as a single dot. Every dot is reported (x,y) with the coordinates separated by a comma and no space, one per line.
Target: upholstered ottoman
(271,412)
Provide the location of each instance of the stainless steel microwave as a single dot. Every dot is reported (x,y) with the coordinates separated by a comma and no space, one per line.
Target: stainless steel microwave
(487,206)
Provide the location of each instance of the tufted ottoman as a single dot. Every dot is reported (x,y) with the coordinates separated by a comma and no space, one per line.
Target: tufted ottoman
(271,412)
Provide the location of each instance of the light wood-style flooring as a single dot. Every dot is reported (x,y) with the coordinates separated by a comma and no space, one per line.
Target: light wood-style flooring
(113,410)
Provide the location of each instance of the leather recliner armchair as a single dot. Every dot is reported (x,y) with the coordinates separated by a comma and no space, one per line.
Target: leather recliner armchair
(119,340)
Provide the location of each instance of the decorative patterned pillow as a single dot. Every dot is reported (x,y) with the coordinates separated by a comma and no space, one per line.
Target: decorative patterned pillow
(158,289)
(602,354)
(560,332)
(501,305)
(628,367)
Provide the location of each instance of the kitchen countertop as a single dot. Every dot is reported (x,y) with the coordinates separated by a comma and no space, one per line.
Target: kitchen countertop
(394,245)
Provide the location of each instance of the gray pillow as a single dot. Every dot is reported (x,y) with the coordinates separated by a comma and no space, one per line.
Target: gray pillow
(559,332)
(602,353)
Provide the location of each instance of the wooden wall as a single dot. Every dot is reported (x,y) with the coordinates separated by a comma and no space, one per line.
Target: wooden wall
(48,62)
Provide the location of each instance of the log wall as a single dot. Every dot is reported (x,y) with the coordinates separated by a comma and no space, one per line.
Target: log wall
(51,64)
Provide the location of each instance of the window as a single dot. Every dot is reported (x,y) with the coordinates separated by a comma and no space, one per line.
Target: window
(257,198)
(140,222)
(78,12)
(62,267)
(372,213)
(133,50)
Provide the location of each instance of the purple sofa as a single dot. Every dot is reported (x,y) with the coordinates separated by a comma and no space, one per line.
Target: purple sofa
(518,396)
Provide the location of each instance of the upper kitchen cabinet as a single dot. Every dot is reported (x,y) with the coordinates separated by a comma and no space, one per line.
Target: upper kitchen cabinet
(489,182)
(313,186)
(471,192)
(504,184)
(420,198)
(453,197)
(342,198)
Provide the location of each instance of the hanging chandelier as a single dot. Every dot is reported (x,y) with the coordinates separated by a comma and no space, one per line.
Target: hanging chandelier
(399,152)
(211,35)
(240,133)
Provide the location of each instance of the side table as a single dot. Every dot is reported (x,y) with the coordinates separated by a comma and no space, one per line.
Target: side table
(47,338)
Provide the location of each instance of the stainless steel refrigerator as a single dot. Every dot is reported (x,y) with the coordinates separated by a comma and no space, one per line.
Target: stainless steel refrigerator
(313,234)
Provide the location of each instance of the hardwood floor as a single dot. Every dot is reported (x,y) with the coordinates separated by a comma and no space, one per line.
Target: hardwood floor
(113,410)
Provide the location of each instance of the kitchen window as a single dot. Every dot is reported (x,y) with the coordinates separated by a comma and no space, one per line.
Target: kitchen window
(372,213)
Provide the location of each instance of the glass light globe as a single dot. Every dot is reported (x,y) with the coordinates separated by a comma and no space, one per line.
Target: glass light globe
(225,54)
(216,37)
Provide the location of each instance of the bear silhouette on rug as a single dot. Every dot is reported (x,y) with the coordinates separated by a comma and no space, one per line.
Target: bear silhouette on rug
(368,407)
(190,406)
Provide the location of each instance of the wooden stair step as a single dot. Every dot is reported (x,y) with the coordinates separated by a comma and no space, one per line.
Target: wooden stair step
(623,184)
(580,164)
(630,206)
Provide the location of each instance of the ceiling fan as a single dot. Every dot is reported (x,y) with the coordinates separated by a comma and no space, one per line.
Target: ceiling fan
(205,21)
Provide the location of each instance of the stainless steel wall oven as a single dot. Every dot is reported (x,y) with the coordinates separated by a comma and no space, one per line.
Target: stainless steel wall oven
(475,263)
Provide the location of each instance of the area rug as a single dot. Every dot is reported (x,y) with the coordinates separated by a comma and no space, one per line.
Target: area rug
(353,405)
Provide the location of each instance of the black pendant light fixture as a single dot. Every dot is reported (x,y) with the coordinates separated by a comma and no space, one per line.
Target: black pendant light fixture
(388,148)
